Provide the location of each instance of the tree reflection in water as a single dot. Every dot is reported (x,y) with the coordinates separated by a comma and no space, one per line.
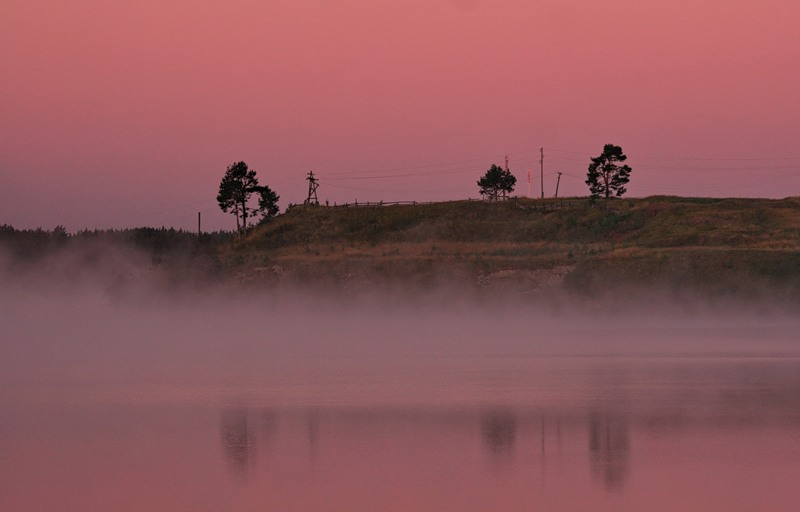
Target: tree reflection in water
(609,447)
(245,433)
(238,441)
(499,434)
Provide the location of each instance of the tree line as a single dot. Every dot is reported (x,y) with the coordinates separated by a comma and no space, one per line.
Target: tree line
(32,244)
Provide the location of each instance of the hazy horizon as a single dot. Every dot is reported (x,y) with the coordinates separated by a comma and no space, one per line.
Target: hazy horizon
(127,113)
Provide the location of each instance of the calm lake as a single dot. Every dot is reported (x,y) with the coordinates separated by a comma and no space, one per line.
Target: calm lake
(104,408)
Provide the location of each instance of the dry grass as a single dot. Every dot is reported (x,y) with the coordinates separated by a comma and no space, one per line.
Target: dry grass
(706,243)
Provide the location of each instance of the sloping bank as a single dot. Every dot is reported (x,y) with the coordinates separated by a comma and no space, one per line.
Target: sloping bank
(746,248)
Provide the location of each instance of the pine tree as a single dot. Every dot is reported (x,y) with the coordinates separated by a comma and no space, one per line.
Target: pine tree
(605,177)
(496,183)
(235,190)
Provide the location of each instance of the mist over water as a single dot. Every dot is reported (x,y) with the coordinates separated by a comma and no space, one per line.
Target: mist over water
(119,393)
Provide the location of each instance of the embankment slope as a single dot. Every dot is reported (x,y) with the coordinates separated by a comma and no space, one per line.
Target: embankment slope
(715,247)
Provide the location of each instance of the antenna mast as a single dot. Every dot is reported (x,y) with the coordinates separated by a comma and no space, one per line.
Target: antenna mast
(313,184)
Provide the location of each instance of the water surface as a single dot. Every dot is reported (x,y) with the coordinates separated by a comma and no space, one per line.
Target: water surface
(440,411)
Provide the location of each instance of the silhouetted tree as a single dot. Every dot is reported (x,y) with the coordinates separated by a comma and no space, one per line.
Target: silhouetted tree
(236,189)
(605,177)
(268,202)
(496,183)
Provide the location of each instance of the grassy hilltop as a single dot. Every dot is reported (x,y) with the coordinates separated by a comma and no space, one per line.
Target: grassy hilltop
(682,245)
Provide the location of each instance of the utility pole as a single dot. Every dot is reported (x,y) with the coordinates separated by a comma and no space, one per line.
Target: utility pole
(313,184)
(557,182)
(198,224)
(541,169)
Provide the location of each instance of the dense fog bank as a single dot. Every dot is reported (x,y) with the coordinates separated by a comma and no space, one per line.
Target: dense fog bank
(122,301)
(154,265)
(112,306)
(119,328)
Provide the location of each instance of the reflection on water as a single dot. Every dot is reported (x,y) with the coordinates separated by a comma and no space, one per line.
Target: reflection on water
(607,432)
(687,434)
(242,431)
(609,443)
(238,441)
(499,430)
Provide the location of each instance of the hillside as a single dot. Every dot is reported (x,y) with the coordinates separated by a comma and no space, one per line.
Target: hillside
(682,245)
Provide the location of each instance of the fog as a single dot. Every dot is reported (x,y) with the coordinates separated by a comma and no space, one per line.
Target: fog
(125,385)
(114,322)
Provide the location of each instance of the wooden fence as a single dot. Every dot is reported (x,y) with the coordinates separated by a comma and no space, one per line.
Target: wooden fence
(379,204)
(522,203)
(553,203)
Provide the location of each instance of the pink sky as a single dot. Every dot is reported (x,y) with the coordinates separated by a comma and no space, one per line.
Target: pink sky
(126,113)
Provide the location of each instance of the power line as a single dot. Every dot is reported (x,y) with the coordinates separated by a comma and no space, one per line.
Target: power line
(723,169)
(562,157)
(655,157)
(658,170)
(404,175)
(410,168)
(459,165)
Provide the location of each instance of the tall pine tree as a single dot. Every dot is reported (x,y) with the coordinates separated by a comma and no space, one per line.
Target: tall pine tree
(605,178)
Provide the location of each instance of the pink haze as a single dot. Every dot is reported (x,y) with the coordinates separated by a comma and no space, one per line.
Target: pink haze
(126,113)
